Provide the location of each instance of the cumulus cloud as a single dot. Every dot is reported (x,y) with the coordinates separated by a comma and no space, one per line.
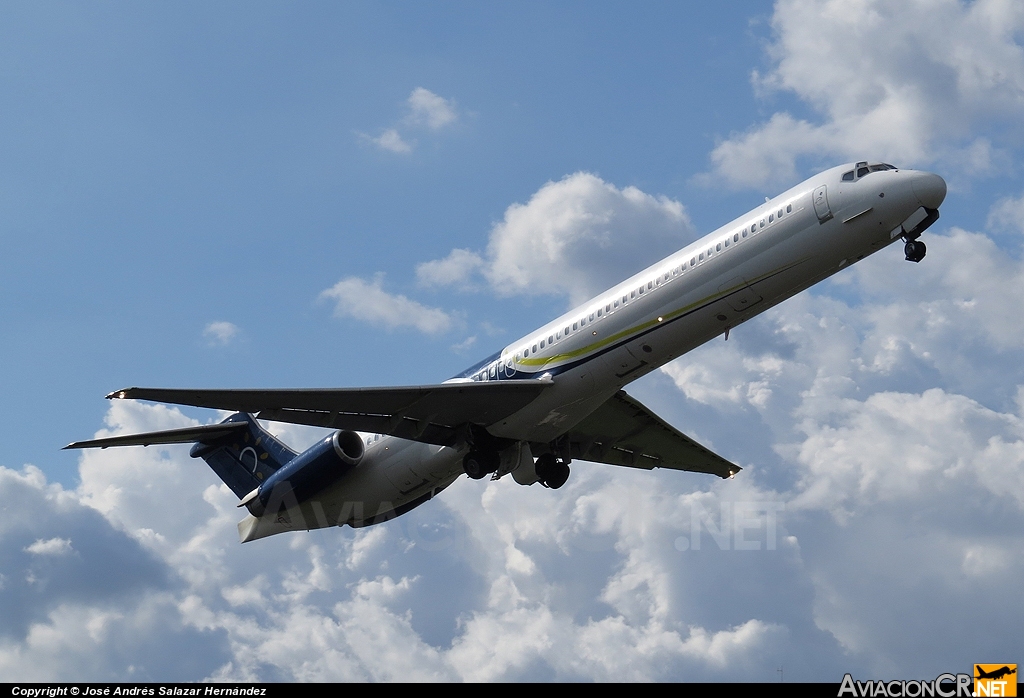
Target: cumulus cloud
(102,607)
(430,109)
(1007,214)
(454,270)
(574,237)
(425,110)
(370,303)
(909,83)
(877,514)
(220,333)
(892,398)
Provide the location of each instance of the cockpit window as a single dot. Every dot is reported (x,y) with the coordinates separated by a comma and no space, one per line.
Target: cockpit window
(864,169)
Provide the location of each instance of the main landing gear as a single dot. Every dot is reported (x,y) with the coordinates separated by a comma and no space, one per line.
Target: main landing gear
(915,250)
(480,464)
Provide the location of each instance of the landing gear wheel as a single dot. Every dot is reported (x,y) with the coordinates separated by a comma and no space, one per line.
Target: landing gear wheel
(915,250)
(474,466)
(552,473)
(480,464)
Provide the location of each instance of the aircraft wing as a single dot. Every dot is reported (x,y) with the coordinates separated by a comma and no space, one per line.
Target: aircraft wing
(624,432)
(206,432)
(427,413)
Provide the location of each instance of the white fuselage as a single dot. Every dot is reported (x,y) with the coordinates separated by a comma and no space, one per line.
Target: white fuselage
(736,272)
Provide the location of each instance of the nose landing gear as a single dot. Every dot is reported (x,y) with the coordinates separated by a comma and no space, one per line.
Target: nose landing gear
(915,250)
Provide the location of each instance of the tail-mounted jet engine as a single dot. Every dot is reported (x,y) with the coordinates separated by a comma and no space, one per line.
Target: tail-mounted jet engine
(306,474)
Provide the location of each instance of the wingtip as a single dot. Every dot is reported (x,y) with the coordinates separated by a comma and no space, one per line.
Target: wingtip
(119,394)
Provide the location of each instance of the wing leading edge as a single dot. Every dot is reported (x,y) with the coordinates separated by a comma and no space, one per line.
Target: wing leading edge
(429,413)
(624,432)
(621,432)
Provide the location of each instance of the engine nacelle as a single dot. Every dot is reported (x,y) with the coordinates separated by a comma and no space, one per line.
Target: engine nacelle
(307,474)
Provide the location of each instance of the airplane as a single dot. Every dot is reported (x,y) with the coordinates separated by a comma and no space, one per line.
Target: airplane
(554,395)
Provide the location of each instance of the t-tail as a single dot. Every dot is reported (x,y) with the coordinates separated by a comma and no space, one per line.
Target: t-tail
(266,475)
(246,457)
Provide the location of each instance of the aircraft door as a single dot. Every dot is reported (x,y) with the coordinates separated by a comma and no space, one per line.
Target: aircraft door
(820,200)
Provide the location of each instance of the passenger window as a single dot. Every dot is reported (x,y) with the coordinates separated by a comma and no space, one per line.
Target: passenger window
(592,315)
(736,237)
(534,350)
(771,217)
(727,242)
(761,223)
(779,214)
(599,310)
(745,232)
(617,301)
(789,208)
(693,260)
(718,247)
(650,285)
(632,294)
(566,330)
(575,326)
(702,256)
(753,227)
(641,289)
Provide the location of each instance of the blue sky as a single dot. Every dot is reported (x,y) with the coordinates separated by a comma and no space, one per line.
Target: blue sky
(324,194)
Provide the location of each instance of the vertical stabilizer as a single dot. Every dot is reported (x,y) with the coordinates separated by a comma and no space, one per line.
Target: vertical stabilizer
(244,458)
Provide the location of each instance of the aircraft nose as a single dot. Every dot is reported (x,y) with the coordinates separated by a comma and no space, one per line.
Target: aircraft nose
(930,189)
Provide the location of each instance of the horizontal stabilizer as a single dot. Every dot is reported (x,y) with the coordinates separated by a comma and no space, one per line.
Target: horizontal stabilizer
(427,413)
(205,433)
(624,432)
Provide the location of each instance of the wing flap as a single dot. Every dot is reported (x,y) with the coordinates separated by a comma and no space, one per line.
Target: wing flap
(624,432)
(204,433)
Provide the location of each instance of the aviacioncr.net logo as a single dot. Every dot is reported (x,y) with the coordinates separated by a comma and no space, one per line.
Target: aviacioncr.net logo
(944,686)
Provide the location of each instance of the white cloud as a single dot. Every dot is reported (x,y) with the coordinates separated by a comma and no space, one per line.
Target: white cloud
(220,333)
(455,269)
(1007,214)
(464,345)
(391,140)
(905,82)
(431,110)
(369,302)
(426,110)
(897,425)
(575,237)
(50,546)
